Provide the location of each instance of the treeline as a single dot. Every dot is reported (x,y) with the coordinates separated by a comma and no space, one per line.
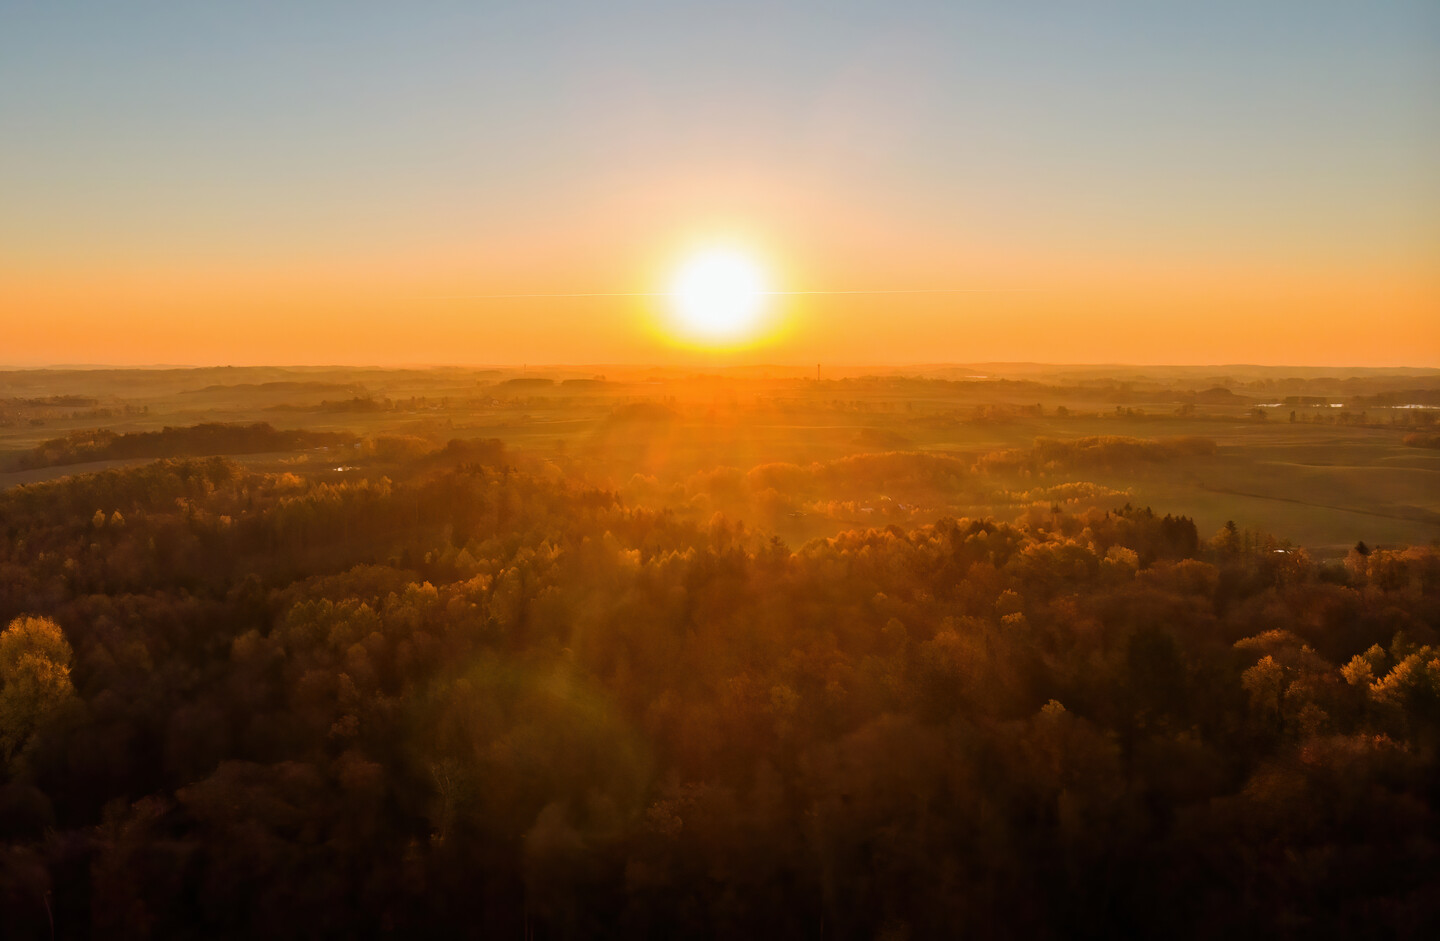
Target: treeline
(474,698)
(52,401)
(209,438)
(906,485)
(1096,451)
(938,474)
(1430,397)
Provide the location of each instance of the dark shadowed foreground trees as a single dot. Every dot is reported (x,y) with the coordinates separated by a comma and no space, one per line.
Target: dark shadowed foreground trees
(476,700)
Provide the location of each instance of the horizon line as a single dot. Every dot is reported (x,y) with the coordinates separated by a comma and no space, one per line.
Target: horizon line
(806,365)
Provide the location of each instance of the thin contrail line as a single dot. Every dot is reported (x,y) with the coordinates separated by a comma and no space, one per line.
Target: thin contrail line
(487,297)
(915,291)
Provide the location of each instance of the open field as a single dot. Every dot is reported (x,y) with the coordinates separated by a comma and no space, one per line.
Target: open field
(1305,457)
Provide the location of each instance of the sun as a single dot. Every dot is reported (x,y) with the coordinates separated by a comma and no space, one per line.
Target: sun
(718,295)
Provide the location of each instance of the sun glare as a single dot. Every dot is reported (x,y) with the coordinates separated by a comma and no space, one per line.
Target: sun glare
(718,295)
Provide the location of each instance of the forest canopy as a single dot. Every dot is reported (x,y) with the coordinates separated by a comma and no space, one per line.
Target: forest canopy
(470,691)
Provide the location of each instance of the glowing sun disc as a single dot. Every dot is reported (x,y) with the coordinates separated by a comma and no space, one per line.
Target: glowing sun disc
(719,295)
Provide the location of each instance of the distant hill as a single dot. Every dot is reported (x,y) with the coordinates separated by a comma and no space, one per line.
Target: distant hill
(1219,396)
(527,383)
(278,387)
(202,440)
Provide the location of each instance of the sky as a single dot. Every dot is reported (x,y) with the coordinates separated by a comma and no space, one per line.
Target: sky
(354,182)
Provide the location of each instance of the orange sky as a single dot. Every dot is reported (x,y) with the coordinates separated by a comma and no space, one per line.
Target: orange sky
(229,188)
(1031,303)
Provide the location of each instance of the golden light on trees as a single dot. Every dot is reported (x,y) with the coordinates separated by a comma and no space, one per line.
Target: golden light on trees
(34,679)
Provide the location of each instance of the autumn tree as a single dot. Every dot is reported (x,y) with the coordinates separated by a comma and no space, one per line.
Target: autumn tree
(35,681)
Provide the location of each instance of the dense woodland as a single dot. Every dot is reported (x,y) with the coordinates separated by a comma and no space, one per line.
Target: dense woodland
(475,695)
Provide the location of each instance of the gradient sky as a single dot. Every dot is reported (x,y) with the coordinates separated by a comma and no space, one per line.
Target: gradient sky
(320,182)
